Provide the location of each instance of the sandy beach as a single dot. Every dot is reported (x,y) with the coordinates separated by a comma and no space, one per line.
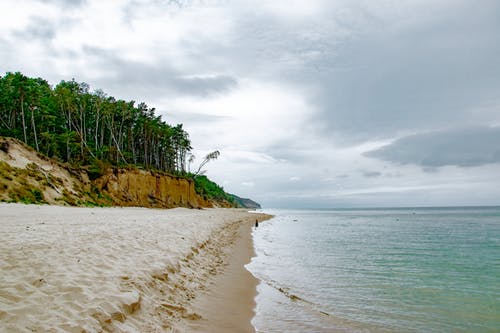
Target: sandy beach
(67,269)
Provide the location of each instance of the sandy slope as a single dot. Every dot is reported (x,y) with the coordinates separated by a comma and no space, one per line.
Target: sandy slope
(67,269)
(28,176)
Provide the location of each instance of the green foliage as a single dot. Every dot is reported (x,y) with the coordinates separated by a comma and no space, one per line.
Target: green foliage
(210,190)
(31,196)
(89,129)
(37,194)
(97,168)
(73,124)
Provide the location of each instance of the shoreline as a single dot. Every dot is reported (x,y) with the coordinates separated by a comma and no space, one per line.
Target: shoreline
(229,303)
(125,269)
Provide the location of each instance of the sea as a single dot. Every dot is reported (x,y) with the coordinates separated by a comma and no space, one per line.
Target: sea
(378,270)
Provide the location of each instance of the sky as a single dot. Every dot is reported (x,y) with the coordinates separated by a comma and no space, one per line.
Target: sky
(312,104)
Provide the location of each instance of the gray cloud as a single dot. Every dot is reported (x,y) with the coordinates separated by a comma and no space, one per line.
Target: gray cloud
(371,174)
(461,147)
(38,28)
(193,117)
(154,80)
(393,77)
(373,74)
(360,71)
(65,3)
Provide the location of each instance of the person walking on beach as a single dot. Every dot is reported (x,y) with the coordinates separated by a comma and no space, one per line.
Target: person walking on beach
(256,223)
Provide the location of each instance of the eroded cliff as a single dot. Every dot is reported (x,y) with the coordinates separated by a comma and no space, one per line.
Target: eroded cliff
(148,189)
(27,176)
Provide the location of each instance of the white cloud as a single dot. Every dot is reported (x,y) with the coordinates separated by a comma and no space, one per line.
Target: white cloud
(255,114)
(294,93)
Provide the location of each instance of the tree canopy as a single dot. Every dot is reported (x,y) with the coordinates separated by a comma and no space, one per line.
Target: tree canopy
(73,124)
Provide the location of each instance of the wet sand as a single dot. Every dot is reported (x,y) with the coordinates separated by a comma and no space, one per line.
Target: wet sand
(229,303)
(125,269)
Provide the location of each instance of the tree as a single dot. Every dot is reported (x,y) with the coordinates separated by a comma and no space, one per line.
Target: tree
(211,156)
(75,125)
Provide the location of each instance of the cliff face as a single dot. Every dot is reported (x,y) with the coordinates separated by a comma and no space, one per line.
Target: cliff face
(148,189)
(27,176)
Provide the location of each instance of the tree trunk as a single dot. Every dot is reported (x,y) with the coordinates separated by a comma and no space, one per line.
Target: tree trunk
(22,117)
(34,128)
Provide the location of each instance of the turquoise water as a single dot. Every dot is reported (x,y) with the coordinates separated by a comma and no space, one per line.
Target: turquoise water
(387,270)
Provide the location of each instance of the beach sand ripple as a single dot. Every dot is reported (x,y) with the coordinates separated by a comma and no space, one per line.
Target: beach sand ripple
(109,269)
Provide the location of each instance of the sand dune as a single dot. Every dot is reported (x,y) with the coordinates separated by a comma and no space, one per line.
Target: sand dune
(109,269)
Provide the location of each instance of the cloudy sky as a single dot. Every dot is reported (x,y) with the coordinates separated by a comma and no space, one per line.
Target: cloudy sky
(312,103)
